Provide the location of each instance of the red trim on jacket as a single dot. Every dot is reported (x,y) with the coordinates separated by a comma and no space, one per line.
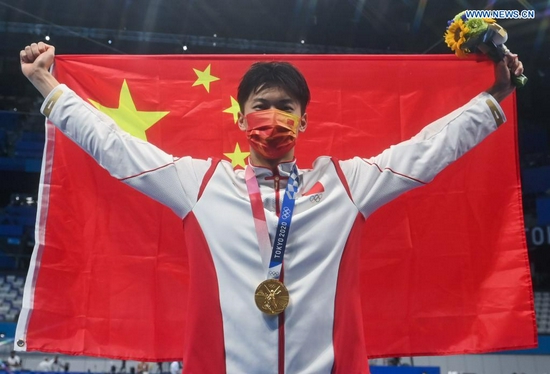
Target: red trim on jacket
(204,348)
(348,327)
(208,175)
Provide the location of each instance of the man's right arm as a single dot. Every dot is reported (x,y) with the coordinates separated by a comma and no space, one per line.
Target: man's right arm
(135,162)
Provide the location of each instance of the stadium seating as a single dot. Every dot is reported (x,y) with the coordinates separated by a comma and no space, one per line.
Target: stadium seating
(542,309)
(11,296)
(17,232)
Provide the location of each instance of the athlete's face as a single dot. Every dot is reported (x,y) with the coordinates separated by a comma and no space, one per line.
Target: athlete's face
(271,136)
(272,132)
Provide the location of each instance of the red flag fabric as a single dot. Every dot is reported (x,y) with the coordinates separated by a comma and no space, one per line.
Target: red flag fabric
(444,268)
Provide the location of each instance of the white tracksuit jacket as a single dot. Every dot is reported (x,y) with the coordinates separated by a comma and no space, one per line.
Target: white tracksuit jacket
(321,330)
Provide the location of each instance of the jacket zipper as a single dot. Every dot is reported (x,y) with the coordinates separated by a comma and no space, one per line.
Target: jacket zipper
(276,183)
(281,345)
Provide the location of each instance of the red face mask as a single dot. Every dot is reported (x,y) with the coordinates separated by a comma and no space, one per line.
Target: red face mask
(272,132)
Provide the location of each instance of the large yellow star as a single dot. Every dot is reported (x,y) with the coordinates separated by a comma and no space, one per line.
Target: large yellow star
(237,157)
(205,78)
(233,109)
(128,118)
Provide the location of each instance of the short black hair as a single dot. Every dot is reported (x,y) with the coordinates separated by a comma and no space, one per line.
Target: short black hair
(283,75)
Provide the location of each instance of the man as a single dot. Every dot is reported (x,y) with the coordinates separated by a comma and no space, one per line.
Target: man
(143,368)
(14,362)
(175,367)
(247,312)
(45,365)
(56,364)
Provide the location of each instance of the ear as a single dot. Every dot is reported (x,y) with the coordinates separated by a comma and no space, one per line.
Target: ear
(241,122)
(303,123)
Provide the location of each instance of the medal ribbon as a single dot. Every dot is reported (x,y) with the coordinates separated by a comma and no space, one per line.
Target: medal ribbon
(275,262)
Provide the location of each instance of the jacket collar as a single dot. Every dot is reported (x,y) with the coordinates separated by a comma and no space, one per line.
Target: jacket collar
(283,169)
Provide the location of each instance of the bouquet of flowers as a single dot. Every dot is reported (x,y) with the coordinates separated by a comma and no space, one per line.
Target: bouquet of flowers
(473,35)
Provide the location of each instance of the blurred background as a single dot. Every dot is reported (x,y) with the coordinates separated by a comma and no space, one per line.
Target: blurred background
(252,27)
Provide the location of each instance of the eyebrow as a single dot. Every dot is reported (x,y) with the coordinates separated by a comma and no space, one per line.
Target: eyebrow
(282,101)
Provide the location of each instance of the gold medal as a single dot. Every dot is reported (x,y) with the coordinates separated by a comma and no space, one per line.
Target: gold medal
(271,297)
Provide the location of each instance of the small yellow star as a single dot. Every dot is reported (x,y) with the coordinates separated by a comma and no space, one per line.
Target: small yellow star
(237,157)
(233,109)
(204,78)
(128,118)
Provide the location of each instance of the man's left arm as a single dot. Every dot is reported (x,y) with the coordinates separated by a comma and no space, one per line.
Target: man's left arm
(415,162)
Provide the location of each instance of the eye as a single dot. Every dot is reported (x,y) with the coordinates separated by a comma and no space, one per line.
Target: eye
(259,107)
(287,108)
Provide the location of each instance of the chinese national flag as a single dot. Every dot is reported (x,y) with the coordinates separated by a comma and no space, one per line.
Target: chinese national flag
(444,267)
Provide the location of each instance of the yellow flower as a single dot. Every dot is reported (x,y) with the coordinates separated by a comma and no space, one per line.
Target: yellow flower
(489,20)
(456,36)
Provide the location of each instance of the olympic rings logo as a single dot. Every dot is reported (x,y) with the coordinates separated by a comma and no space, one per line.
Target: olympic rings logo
(286,213)
(316,198)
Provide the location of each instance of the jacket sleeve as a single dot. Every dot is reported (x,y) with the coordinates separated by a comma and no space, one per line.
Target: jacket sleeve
(174,182)
(415,162)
